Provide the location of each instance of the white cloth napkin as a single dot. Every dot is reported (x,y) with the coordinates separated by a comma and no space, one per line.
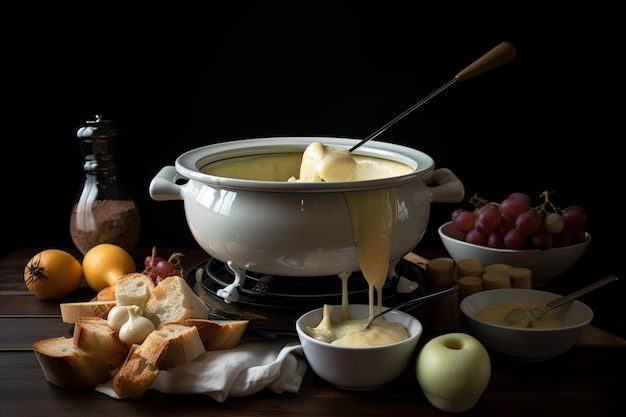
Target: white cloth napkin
(246,369)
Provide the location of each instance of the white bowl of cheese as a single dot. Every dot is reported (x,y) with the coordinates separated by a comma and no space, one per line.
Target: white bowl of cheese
(355,367)
(553,334)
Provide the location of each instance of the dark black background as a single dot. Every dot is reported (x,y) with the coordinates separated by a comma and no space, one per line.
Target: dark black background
(178,77)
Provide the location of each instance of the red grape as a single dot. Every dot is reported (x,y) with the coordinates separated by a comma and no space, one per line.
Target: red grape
(575,217)
(476,237)
(516,224)
(159,268)
(456,213)
(164,268)
(528,222)
(561,239)
(506,224)
(154,277)
(496,239)
(488,218)
(464,221)
(576,235)
(514,239)
(542,239)
(515,204)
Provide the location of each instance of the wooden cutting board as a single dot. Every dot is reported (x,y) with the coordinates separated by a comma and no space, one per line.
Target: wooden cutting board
(592,336)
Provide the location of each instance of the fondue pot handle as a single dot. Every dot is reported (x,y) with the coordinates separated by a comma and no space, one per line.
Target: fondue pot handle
(163,186)
(444,186)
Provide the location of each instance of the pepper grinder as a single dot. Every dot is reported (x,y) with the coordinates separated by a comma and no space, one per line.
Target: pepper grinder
(104,210)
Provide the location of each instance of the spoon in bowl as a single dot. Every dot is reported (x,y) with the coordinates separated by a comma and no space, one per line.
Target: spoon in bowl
(418,300)
(524,318)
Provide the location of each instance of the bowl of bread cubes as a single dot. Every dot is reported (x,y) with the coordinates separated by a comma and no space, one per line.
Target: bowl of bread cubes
(128,340)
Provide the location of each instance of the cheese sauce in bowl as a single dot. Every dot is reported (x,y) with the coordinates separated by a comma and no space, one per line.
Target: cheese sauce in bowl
(363,364)
(549,336)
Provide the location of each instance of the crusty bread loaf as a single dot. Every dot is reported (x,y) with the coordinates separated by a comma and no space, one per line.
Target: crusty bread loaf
(133,289)
(70,312)
(68,366)
(172,345)
(95,336)
(172,300)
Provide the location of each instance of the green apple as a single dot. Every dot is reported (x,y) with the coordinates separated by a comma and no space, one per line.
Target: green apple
(453,371)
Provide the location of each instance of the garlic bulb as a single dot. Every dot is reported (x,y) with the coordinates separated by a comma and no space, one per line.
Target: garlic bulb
(136,328)
(118,316)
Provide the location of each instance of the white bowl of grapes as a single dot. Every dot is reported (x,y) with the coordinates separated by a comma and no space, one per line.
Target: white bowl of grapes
(540,236)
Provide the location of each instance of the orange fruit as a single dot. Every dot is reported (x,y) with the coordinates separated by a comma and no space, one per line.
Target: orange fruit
(52,274)
(104,264)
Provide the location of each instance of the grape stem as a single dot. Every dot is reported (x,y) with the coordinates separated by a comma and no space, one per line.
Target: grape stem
(152,258)
(547,206)
(477,201)
(174,259)
(544,208)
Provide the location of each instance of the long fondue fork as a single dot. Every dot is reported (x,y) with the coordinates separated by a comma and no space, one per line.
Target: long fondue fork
(499,55)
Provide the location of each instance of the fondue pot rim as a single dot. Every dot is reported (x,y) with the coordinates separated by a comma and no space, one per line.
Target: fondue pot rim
(190,163)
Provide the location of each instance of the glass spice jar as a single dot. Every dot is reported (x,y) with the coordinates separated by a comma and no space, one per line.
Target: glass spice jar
(104,210)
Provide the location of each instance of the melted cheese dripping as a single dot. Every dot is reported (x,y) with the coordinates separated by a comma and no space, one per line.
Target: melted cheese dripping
(373,216)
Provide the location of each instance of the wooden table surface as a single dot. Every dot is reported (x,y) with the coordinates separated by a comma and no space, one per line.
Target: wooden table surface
(588,380)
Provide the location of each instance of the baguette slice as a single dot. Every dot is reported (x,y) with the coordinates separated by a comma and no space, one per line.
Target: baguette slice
(134,378)
(207,329)
(70,312)
(218,334)
(134,288)
(106,294)
(229,335)
(67,366)
(173,300)
(183,344)
(95,336)
(172,345)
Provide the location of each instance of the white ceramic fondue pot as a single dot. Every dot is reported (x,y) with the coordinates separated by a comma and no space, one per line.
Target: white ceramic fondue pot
(295,229)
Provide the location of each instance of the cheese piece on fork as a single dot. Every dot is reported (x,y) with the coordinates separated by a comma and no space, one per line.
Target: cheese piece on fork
(326,163)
